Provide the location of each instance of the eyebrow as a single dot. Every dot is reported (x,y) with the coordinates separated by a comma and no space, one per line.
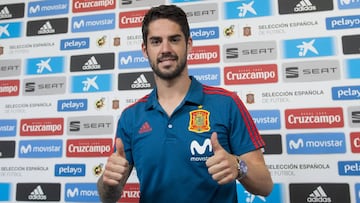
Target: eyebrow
(171,36)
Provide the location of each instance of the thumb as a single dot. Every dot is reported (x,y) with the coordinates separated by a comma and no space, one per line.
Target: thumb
(119,147)
(215,143)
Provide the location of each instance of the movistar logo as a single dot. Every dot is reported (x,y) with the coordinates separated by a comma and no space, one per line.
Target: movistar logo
(200,149)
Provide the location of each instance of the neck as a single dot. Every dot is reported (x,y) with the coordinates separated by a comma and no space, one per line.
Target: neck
(172,93)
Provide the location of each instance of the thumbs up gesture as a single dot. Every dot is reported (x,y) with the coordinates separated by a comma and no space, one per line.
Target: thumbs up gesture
(116,167)
(222,166)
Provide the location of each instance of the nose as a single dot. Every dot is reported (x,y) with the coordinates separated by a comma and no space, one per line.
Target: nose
(166,47)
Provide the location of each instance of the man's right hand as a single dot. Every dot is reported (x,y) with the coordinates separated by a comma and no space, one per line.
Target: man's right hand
(117,167)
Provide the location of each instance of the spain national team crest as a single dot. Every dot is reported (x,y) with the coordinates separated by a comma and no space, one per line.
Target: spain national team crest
(199,121)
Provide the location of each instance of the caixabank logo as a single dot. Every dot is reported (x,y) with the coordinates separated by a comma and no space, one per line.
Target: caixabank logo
(91,83)
(276,195)
(38,192)
(352,69)
(47,27)
(247,9)
(45,65)
(5,191)
(309,47)
(10,30)
(12,11)
(319,193)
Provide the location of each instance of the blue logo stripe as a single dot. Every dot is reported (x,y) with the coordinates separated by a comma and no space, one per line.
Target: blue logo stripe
(349,168)
(346,4)
(91,83)
(353,68)
(70,170)
(81,192)
(309,47)
(276,195)
(8,128)
(75,43)
(5,191)
(10,30)
(40,148)
(343,22)
(316,143)
(45,65)
(48,8)
(93,23)
(132,59)
(266,119)
(247,9)
(345,93)
(205,33)
(207,76)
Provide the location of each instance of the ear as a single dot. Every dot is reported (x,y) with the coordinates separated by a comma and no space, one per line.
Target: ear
(143,49)
(189,45)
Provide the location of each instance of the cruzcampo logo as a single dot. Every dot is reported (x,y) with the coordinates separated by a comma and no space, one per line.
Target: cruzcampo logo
(199,120)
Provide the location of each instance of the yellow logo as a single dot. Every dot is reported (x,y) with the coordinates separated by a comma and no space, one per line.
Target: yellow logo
(199,121)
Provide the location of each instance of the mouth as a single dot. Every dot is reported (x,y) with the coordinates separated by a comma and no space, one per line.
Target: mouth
(167,58)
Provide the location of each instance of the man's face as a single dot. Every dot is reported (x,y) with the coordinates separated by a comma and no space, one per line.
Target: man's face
(166,49)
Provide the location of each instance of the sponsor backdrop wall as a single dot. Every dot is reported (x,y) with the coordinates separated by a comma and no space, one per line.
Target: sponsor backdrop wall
(69,67)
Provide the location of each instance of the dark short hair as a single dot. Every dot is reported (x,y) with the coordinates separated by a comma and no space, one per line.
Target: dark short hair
(170,12)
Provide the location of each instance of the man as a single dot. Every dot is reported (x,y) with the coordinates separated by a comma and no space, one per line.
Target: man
(189,142)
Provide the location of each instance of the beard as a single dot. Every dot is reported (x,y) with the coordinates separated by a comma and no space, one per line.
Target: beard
(169,75)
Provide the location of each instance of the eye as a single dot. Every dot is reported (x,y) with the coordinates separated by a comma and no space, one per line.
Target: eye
(175,39)
(155,42)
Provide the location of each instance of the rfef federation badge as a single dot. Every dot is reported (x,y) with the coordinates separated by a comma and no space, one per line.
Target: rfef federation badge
(199,121)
